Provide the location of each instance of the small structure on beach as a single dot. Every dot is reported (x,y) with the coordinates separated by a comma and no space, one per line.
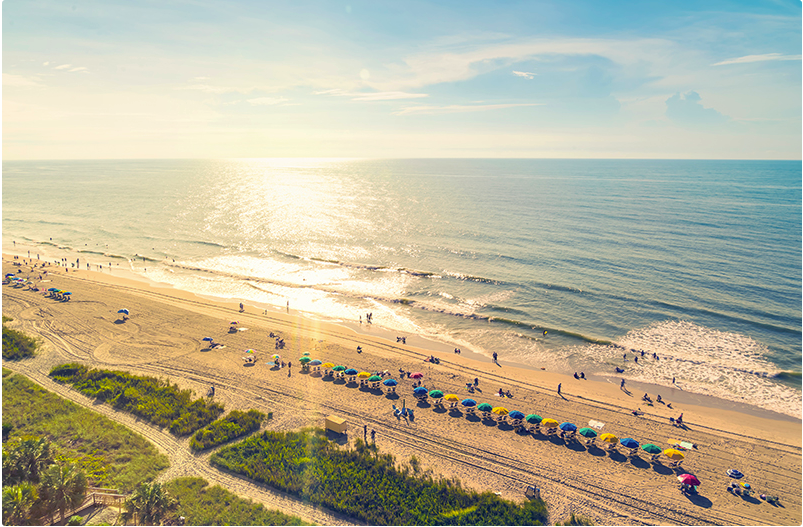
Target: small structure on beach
(336,424)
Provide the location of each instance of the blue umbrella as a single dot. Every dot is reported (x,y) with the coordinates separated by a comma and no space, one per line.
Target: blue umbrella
(629,443)
(9,274)
(389,382)
(125,311)
(515,414)
(315,362)
(568,427)
(421,391)
(208,339)
(54,289)
(468,402)
(350,371)
(67,293)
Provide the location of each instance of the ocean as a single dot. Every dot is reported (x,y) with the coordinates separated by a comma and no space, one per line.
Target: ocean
(564,264)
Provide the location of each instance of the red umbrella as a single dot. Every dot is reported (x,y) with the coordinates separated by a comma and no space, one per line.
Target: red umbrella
(416,375)
(689,479)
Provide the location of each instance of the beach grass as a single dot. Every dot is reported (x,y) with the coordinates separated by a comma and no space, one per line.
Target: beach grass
(121,458)
(235,425)
(202,504)
(366,485)
(155,400)
(17,345)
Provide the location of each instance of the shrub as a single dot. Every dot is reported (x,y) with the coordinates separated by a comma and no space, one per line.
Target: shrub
(75,520)
(17,345)
(234,425)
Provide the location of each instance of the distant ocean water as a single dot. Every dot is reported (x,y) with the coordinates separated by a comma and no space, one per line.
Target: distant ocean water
(697,261)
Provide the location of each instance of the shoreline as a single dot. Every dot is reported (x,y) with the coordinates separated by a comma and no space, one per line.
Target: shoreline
(472,360)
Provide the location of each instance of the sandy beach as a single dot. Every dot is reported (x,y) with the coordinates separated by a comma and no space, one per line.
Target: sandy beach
(163,337)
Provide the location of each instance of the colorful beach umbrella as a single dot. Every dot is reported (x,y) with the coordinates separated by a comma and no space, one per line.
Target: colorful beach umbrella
(124,311)
(372,378)
(568,427)
(315,362)
(549,423)
(420,391)
(363,375)
(67,293)
(304,360)
(275,356)
(339,368)
(328,365)
(629,443)
(609,438)
(208,339)
(351,371)
(587,432)
(500,410)
(234,322)
(468,402)
(675,455)
(651,449)
(417,375)
(533,419)
(485,407)
(451,397)
(390,382)
(249,351)
(436,394)
(9,274)
(515,414)
(689,479)
(306,353)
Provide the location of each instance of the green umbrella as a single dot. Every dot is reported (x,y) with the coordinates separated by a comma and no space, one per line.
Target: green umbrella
(533,419)
(436,394)
(305,353)
(587,432)
(651,449)
(339,368)
(304,360)
(485,407)
(374,378)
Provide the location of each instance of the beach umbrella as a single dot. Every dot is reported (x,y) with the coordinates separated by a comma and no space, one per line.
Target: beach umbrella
(351,371)
(372,378)
(436,394)
(124,311)
(500,410)
(275,356)
(304,360)
(390,382)
(549,423)
(651,449)
(468,402)
(587,432)
(533,419)
(306,353)
(420,391)
(363,375)
(234,322)
(515,414)
(675,455)
(485,407)
(568,427)
(609,438)
(689,479)
(67,293)
(9,274)
(629,443)
(249,351)
(328,365)
(54,289)
(417,375)
(315,362)
(339,368)
(208,339)
(451,397)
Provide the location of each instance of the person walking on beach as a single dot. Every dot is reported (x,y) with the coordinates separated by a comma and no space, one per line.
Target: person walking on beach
(559,384)
(373,435)
(673,380)
(622,385)
(495,356)
(289,368)
(365,432)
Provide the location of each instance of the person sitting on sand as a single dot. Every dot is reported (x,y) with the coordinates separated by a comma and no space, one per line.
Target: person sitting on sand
(576,376)
(501,393)
(637,412)
(647,398)
(508,394)
(658,399)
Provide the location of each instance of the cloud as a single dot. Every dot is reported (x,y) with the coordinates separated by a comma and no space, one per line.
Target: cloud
(687,109)
(758,58)
(459,108)
(206,88)
(373,96)
(525,74)
(47,63)
(63,67)
(10,79)
(82,68)
(267,101)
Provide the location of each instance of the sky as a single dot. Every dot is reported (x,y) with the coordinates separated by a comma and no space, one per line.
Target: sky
(530,79)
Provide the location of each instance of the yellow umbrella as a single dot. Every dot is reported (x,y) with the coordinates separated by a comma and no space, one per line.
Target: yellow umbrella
(451,397)
(328,365)
(609,438)
(549,423)
(499,410)
(363,375)
(673,454)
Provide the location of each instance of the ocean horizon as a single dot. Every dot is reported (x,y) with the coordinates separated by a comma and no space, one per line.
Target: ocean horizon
(561,263)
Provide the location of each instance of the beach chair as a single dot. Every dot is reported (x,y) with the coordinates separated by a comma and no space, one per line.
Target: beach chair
(590,441)
(470,410)
(486,415)
(515,423)
(633,452)
(438,402)
(391,389)
(501,419)
(375,385)
(655,457)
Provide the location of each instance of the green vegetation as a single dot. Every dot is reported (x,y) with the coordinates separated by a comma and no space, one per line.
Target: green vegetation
(108,453)
(201,504)
(150,504)
(152,399)
(234,425)
(17,345)
(366,485)
(576,520)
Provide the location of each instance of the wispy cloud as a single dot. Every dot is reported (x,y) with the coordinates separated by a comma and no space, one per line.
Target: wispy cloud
(525,74)
(81,68)
(267,101)
(47,63)
(372,96)
(758,58)
(459,108)
(63,67)
(10,79)
(207,88)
